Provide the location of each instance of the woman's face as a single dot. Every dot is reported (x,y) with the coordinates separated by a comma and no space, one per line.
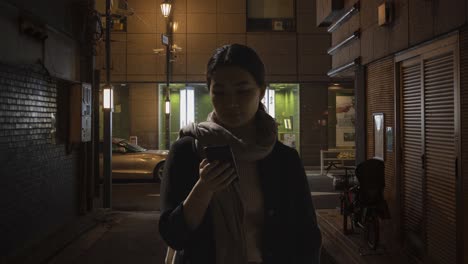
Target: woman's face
(235,95)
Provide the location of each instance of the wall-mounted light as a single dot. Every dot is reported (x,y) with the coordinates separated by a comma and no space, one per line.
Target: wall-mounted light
(108,97)
(175,26)
(385,13)
(166,8)
(168,105)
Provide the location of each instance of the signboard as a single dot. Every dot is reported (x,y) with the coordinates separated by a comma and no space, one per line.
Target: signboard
(164,39)
(345,116)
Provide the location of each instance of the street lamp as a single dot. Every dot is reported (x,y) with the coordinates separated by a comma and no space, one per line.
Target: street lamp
(108,97)
(166,12)
(166,8)
(108,106)
(168,105)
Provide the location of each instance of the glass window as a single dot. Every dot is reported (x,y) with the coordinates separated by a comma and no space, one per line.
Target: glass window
(187,106)
(192,103)
(341,117)
(285,104)
(271,15)
(269,101)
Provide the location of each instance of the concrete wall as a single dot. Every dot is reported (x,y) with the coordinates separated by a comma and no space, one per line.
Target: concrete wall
(59,52)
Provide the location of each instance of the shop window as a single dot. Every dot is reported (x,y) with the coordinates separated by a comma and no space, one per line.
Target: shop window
(271,15)
(269,101)
(341,117)
(187,106)
(283,105)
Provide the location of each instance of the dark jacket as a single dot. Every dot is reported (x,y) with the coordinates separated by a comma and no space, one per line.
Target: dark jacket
(290,232)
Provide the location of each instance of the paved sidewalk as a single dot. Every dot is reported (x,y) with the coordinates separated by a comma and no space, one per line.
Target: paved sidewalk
(350,249)
(121,238)
(124,237)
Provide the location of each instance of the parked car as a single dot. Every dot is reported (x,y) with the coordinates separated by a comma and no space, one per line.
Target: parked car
(130,161)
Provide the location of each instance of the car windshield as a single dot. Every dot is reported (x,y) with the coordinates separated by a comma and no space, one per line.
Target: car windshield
(131,147)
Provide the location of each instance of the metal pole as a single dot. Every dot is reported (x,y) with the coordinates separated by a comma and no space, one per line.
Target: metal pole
(168,75)
(107,144)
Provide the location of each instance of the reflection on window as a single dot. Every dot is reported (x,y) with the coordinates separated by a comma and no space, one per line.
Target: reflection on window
(187,106)
(269,102)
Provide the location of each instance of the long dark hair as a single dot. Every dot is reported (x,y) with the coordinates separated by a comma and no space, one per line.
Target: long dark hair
(240,56)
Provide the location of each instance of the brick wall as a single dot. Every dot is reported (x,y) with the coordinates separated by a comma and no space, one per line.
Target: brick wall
(38,179)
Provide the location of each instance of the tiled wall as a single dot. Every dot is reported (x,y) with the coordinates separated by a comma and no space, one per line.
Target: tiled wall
(204,25)
(38,191)
(143,102)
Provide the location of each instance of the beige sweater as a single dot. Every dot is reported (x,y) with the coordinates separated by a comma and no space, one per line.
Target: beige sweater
(252,199)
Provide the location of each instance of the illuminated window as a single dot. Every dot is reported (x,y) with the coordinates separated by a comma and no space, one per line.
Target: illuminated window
(187,106)
(269,101)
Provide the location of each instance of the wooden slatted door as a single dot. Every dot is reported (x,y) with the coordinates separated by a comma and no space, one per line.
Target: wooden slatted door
(429,152)
(412,151)
(440,152)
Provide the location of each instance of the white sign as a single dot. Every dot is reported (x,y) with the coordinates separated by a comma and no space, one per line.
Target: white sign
(165,39)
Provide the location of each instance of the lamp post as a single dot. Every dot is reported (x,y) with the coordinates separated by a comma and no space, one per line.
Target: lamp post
(108,105)
(166,12)
(166,8)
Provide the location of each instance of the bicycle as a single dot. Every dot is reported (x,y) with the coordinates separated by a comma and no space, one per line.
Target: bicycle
(362,203)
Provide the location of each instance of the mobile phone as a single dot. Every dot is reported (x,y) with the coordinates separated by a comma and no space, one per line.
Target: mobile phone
(222,153)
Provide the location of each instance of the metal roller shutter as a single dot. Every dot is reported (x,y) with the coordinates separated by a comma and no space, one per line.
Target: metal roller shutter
(440,152)
(412,173)
(429,152)
(463,172)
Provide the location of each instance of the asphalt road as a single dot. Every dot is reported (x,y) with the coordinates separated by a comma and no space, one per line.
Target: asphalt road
(144,196)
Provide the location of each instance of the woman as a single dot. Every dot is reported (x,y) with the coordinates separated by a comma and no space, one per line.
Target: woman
(267,215)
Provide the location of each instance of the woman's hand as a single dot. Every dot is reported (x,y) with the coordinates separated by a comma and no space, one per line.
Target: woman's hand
(216,175)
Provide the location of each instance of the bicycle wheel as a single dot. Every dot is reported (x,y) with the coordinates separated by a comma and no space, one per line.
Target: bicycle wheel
(372,232)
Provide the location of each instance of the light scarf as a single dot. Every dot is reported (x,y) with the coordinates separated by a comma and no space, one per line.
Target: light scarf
(226,205)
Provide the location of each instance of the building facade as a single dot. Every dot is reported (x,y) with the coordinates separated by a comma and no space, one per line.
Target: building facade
(411,67)
(46,177)
(295,56)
